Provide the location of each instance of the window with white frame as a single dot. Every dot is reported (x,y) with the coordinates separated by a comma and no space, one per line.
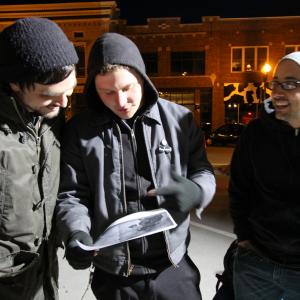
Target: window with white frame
(248,58)
(291,48)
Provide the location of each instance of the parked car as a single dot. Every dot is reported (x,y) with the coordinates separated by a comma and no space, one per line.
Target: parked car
(206,128)
(226,134)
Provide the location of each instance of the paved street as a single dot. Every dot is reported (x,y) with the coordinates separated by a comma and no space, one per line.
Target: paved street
(210,237)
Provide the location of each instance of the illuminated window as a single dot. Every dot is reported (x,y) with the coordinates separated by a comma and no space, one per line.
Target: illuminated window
(180,96)
(248,58)
(291,48)
(236,60)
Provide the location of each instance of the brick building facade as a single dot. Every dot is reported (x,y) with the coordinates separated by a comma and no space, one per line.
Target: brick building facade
(213,67)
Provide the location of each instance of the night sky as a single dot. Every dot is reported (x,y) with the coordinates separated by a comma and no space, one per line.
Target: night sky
(137,11)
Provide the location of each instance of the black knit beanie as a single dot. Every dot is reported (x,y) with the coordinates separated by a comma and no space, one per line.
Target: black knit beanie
(33,46)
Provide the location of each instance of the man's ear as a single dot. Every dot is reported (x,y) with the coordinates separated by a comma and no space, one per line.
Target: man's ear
(15,87)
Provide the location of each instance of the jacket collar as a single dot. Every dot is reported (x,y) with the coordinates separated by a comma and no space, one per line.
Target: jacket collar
(8,108)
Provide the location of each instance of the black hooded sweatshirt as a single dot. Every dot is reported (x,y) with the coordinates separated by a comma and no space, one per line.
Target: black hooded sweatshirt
(265,186)
(148,254)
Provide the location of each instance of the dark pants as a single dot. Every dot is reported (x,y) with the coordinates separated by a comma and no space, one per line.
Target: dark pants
(224,293)
(174,283)
(256,277)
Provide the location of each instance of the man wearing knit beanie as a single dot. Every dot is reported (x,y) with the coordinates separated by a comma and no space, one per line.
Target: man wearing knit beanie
(37,74)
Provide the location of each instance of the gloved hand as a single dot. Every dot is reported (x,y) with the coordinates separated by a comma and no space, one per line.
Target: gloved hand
(77,257)
(180,194)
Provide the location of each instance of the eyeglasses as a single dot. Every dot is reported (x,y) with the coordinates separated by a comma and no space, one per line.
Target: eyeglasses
(286,85)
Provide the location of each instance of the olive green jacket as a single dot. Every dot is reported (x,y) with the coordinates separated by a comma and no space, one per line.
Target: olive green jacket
(29,179)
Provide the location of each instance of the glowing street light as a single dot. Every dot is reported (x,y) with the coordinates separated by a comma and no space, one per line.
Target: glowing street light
(265,70)
(235,106)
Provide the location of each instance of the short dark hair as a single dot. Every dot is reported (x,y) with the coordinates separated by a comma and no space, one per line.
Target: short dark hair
(111,67)
(50,77)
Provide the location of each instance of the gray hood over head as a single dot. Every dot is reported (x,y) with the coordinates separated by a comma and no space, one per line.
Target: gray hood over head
(114,48)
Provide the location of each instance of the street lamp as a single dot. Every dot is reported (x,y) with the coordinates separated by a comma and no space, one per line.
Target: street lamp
(237,106)
(265,70)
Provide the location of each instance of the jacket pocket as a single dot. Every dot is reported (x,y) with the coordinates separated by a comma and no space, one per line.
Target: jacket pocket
(12,264)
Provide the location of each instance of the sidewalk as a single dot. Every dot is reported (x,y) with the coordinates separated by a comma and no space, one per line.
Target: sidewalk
(72,283)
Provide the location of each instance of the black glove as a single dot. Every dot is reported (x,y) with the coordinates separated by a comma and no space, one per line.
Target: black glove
(180,194)
(77,257)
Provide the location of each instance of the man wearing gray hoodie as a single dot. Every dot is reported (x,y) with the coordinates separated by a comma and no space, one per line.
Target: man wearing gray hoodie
(131,151)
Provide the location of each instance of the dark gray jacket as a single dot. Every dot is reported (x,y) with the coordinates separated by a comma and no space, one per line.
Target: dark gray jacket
(92,192)
(92,187)
(29,178)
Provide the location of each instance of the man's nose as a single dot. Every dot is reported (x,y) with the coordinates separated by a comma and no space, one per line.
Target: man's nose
(121,98)
(62,100)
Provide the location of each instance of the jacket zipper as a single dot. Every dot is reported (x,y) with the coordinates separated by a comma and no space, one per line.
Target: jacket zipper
(155,186)
(129,265)
(138,179)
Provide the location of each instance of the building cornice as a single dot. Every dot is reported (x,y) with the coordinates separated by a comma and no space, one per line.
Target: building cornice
(79,10)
